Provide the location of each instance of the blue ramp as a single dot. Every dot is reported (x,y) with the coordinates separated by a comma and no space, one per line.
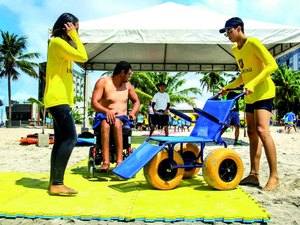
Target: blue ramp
(137,160)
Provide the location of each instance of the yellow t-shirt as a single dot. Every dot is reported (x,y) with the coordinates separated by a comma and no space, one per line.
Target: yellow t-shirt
(256,65)
(59,78)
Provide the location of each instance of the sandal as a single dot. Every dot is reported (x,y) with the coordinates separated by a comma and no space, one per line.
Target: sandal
(104,167)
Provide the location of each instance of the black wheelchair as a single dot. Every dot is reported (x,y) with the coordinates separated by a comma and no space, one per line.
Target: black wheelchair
(95,152)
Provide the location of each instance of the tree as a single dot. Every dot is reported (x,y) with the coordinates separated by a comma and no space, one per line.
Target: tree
(13,59)
(145,87)
(287,83)
(213,81)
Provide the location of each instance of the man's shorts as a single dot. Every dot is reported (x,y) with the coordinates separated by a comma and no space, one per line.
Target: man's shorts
(159,119)
(233,119)
(266,104)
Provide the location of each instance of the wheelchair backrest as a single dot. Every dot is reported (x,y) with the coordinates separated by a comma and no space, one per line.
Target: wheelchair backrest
(205,127)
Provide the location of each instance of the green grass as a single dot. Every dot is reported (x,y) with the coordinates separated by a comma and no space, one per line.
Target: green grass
(138,139)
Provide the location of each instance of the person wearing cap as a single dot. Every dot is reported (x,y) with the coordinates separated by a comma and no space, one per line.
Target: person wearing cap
(160,105)
(256,65)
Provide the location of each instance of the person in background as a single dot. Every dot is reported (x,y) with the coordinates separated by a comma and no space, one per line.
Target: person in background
(59,96)
(110,99)
(150,115)
(188,125)
(161,105)
(234,118)
(256,65)
(139,122)
(174,123)
(290,121)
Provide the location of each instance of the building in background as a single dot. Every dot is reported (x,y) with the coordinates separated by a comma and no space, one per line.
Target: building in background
(291,59)
(29,114)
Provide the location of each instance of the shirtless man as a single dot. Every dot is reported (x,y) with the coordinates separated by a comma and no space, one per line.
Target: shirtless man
(110,97)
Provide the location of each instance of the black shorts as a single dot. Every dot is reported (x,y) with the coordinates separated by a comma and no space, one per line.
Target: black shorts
(161,120)
(266,104)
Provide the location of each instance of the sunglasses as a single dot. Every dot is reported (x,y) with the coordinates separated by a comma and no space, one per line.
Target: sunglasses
(228,32)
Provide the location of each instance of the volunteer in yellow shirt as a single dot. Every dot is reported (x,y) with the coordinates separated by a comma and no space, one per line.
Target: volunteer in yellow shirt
(59,96)
(256,65)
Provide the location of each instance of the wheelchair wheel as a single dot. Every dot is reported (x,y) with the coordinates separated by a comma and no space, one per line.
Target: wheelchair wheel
(160,175)
(91,167)
(223,169)
(189,155)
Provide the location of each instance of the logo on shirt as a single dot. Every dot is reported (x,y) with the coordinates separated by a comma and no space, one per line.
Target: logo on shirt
(241,63)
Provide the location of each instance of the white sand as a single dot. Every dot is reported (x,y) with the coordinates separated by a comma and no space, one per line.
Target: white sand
(283,203)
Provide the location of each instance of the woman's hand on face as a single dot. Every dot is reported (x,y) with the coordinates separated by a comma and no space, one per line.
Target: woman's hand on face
(69,26)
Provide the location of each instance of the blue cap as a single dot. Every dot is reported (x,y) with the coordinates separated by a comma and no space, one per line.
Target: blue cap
(232,23)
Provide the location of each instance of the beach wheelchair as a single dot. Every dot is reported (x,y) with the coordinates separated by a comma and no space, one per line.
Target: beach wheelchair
(167,160)
(95,152)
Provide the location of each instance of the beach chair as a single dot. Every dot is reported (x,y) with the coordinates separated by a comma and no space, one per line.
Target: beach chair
(167,160)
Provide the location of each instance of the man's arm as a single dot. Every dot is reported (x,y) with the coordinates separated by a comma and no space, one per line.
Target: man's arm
(135,102)
(97,95)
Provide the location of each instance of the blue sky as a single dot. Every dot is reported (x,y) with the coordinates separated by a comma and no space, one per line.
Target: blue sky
(32,18)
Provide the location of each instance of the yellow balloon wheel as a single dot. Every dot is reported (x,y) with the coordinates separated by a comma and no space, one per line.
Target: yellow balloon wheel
(223,169)
(160,175)
(189,154)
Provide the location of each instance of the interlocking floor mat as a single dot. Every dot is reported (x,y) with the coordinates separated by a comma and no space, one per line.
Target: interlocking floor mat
(107,197)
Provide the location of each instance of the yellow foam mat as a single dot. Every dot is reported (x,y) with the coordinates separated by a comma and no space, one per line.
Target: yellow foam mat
(107,197)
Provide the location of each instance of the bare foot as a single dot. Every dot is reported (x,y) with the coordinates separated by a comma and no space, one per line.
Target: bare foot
(118,163)
(272,184)
(62,190)
(104,167)
(250,180)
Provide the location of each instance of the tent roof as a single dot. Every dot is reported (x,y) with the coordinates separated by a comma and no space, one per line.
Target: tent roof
(174,37)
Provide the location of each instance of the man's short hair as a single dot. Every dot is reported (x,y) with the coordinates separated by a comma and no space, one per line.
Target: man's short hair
(161,84)
(122,65)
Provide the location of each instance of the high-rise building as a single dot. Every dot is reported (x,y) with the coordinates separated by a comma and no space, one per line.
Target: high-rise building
(291,59)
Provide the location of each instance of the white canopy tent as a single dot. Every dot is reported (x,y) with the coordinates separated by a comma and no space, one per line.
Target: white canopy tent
(174,37)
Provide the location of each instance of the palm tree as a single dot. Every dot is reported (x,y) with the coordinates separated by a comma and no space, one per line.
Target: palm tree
(12,59)
(213,81)
(145,87)
(287,83)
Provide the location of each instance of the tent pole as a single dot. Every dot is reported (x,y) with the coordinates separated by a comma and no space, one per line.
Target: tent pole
(85,121)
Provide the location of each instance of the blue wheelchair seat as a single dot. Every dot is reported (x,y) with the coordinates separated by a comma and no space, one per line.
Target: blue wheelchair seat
(208,128)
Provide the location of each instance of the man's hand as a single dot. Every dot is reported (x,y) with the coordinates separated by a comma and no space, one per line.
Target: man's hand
(247,91)
(223,92)
(110,117)
(132,117)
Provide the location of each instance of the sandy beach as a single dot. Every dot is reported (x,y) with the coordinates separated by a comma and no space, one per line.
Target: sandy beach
(283,203)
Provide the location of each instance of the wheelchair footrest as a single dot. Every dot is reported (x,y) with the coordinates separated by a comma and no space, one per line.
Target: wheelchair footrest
(137,160)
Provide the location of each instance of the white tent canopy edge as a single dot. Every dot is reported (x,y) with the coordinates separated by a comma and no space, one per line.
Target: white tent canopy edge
(174,37)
